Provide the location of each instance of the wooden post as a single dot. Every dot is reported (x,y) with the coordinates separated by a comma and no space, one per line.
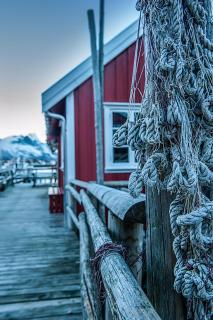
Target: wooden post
(69,204)
(71,210)
(130,235)
(101,50)
(97,99)
(159,253)
(208,7)
(160,257)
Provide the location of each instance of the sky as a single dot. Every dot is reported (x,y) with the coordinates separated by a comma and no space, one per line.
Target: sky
(41,41)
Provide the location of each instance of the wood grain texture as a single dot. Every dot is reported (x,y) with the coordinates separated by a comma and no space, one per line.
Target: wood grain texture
(131,236)
(89,294)
(127,299)
(73,217)
(73,193)
(160,257)
(125,207)
(39,264)
(98,96)
(79,183)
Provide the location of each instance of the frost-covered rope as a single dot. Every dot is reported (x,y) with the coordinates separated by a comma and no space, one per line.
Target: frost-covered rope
(173,138)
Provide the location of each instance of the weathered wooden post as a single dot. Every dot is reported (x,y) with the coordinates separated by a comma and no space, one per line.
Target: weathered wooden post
(72,199)
(101,49)
(130,235)
(69,205)
(208,6)
(97,90)
(160,258)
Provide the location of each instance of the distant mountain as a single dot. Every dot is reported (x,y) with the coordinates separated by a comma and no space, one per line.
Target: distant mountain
(26,147)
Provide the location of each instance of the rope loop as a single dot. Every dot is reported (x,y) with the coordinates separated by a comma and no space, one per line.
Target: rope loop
(105,250)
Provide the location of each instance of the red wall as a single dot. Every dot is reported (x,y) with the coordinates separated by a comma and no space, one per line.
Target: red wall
(117,83)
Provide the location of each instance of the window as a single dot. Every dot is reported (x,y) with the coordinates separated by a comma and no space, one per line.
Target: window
(117,158)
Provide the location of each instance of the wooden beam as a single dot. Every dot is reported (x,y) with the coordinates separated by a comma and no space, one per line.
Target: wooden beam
(116,184)
(89,295)
(101,49)
(100,234)
(127,299)
(124,206)
(73,216)
(79,183)
(74,193)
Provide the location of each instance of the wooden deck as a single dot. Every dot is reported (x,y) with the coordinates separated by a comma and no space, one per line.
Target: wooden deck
(39,259)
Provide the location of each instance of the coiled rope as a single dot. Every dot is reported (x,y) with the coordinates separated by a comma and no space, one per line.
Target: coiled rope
(173,138)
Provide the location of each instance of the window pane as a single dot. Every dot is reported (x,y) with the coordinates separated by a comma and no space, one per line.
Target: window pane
(120,155)
(118,118)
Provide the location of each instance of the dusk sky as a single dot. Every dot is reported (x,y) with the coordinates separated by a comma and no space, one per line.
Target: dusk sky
(42,40)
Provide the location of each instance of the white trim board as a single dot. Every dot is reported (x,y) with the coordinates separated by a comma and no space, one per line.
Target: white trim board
(111,166)
(83,71)
(70,138)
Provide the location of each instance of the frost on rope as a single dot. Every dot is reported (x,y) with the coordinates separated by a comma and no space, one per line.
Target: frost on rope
(172,138)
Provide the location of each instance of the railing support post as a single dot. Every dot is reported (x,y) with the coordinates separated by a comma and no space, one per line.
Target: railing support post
(69,201)
(131,236)
(72,204)
(160,257)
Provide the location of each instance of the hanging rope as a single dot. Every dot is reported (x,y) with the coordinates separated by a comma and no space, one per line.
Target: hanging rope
(173,137)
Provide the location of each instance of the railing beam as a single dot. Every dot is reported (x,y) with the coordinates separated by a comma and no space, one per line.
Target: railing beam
(73,216)
(79,183)
(74,193)
(90,301)
(124,206)
(127,299)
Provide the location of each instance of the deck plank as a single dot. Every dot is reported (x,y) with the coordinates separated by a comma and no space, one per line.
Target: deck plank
(39,265)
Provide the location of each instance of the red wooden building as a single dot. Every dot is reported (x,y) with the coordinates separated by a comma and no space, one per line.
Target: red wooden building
(70,100)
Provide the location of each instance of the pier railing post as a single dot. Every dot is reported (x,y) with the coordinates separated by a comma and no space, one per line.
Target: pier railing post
(160,257)
(69,204)
(131,236)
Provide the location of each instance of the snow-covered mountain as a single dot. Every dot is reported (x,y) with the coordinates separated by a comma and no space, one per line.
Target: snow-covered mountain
(26,147)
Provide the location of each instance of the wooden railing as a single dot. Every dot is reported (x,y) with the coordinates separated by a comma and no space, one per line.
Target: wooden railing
(37,174)
(44,175)
(121,277)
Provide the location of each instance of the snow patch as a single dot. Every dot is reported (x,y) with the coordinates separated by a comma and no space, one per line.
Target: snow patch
(26,147)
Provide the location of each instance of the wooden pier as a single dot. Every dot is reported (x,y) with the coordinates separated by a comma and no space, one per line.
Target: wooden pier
(39,259)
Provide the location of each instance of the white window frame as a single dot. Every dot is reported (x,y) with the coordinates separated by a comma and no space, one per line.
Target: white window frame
(110,166)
